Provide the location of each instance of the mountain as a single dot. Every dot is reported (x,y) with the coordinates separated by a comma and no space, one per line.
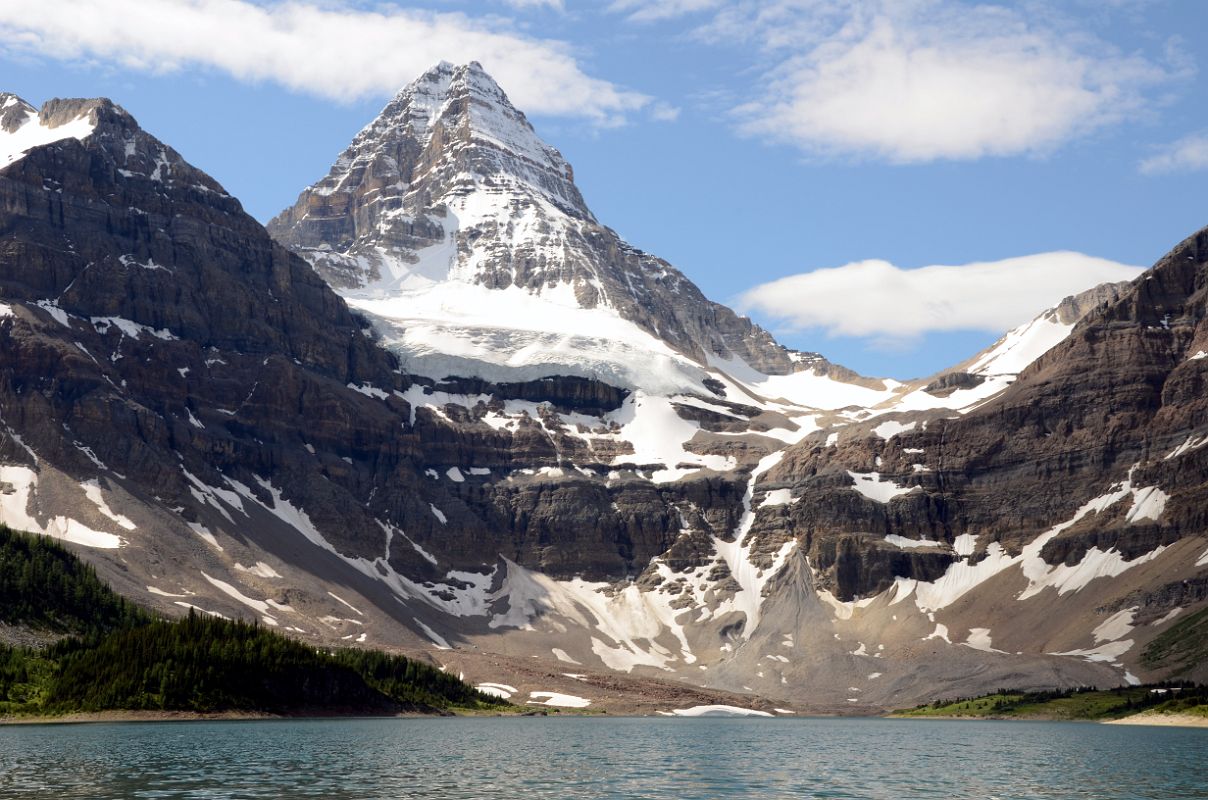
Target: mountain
(463,234)
(451,156)
(192,408)
(1065,515)
(512,445)
(157,344)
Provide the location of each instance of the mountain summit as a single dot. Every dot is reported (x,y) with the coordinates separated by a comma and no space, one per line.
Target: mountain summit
(448,135)
(448,217)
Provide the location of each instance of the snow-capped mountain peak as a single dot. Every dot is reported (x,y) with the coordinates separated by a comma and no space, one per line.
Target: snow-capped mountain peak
(449,203)
(461,235)
(442,134)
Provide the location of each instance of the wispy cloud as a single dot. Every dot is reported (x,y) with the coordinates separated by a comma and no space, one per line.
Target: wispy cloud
(330,49)
(556,5)
(664,112)
(1189,154)
(654,10)
(924,80)
(878,299)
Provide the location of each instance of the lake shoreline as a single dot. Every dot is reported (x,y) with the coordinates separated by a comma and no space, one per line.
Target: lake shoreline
(1174,720)
(1160,720)
(91,717)
(130,716)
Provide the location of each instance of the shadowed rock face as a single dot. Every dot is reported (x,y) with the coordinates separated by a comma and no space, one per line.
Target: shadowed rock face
(121,226)
(162,329)
(1116,399)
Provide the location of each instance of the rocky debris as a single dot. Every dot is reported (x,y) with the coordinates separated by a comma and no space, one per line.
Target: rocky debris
(24,636)
(951,381)
(1156,603)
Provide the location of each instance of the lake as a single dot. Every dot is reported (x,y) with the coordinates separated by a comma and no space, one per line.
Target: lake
(569,758)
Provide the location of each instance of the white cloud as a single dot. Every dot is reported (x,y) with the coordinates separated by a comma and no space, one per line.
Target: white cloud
(331,49)
(877,299)
(921,80)
(1186,155)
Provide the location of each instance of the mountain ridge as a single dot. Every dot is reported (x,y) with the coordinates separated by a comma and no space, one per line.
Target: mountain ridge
(276,463)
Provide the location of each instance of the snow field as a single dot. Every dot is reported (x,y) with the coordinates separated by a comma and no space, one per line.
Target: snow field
(557,699)
(14,512)
(717,711)
(32,132)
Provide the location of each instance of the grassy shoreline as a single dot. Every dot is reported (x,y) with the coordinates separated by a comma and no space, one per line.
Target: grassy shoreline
(1167,720)
(1172,719)
(1156,701)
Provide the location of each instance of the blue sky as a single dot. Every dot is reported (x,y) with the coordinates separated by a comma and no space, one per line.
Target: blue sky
(751,144)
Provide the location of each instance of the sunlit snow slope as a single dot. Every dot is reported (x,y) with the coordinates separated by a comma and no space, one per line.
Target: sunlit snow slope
(21,129)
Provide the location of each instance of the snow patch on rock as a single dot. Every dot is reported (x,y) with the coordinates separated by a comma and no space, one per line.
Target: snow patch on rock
(874,487)
(891,428)
(19,486)
(32,132)
(557,700)
(717,711)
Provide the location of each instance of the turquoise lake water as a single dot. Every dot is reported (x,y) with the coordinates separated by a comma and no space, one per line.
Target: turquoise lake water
(574,758)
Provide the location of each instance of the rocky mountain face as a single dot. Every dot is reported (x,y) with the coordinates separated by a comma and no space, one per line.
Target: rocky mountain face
(1078,489)
(451,186)
(156,341)
(476,455)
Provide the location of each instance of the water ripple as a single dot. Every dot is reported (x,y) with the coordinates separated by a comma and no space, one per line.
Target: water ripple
(570,759)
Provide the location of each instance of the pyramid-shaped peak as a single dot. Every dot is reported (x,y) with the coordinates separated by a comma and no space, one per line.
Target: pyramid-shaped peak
(458,116)
(445,71)
(445,79)
(460,95)
(450,193)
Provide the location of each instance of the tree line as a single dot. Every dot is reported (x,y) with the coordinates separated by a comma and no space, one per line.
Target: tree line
(117,656)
